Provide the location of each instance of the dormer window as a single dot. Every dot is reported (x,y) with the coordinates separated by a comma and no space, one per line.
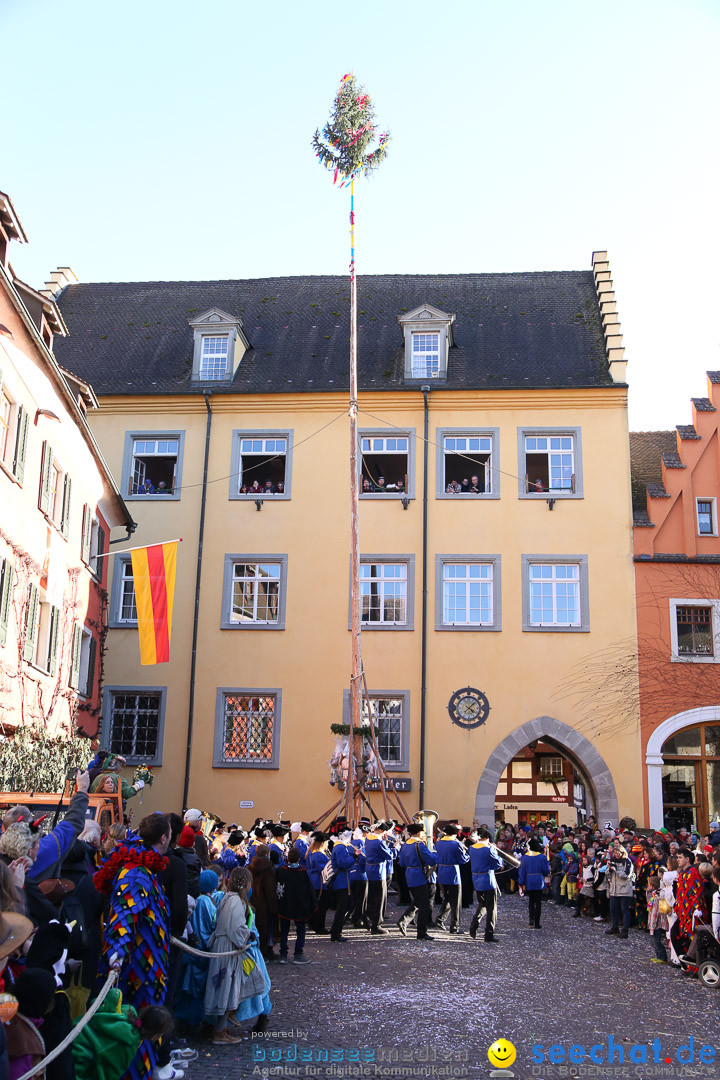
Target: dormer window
(220,345)
(425,356)
(428,337)
(214,356)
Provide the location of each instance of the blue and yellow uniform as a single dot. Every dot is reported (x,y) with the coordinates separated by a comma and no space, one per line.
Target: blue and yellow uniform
(484,861)
(451,856)
(343,858)
(379,857)
(414,856)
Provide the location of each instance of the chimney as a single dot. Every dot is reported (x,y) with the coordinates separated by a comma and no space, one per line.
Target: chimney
(64,275)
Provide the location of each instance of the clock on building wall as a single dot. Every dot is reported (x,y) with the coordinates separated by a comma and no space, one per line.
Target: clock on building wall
(469,708)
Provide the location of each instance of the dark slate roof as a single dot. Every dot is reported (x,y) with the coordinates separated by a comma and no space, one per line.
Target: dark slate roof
(647,451)
(511,330)
(687,431)
(703,404)
(714,376)
(673,460)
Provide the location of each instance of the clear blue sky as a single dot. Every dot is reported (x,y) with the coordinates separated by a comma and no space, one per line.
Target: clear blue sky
(158,140)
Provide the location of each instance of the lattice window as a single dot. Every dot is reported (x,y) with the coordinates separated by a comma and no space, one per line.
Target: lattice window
(135,724)
(249,723)
(694,631)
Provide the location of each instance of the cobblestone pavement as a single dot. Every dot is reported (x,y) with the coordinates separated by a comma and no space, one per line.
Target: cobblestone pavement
(393,1006)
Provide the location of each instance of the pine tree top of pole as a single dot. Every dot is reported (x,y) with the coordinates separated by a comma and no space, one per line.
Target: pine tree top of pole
(344,146)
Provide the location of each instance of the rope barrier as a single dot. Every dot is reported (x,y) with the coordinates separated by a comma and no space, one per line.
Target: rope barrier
(62,1047)
(198,952)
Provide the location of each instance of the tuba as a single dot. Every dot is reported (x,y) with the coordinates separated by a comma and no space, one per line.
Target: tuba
(511,861)
(427,819)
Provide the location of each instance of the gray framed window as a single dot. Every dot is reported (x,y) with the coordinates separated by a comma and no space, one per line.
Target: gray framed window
(467,463)
(550,463)
(387,590)
(152,465)
(555,593)
(262,458)
(387,463)
(123,611)
(133,722)
(695,630)
(467,592)
(247,728)
(254,592)
(391,716)
(14,422)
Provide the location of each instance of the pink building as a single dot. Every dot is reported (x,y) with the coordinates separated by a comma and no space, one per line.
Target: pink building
(58,505)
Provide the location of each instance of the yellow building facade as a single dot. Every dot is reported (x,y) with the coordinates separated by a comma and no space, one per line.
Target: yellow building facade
(490,617)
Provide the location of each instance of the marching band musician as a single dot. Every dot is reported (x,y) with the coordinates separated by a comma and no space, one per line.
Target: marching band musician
(484,861)
(451,856)
(279,842)
(302,842)
(343,857)
(358,878)
(415,856)
(380,852)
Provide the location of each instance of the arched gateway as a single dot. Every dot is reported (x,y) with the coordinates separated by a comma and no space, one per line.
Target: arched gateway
(572,743)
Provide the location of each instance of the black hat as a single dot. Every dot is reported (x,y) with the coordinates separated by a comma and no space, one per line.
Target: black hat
(415,828)
(451,829)
(364,821)
(280,830)
(34,989)
(305,826)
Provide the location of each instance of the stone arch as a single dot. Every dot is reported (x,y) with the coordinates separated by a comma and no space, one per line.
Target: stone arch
(572,743)
(706,714)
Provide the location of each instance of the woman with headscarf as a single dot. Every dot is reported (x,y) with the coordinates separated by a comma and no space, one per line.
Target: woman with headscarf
(191,993)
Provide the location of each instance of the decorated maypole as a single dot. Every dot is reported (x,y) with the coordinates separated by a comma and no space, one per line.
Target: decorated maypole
(344,148)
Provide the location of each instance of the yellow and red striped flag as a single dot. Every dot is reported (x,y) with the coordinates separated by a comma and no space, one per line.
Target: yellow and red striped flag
(154,577)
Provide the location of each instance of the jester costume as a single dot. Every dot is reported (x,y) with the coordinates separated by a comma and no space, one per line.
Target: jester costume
(137,935)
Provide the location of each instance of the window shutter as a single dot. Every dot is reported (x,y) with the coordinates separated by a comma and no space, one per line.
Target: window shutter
(53,643)
(1,377)
(44,501)
(90,683)
(21,444)
(67,496)
(100,551)
(87,533)
(30,624)
(76,645)
(6,583)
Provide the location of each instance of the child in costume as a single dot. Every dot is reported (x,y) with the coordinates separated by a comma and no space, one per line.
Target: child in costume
(108,1043)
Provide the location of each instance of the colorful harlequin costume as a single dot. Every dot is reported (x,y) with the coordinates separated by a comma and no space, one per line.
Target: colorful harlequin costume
(137,934)
(689,898)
